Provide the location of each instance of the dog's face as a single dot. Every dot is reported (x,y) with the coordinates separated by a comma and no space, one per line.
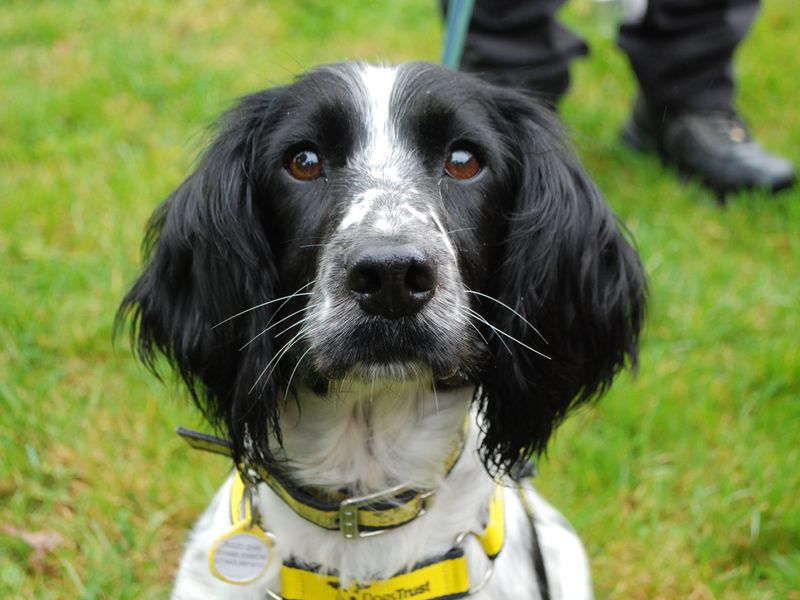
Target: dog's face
(406,222)
(384,183)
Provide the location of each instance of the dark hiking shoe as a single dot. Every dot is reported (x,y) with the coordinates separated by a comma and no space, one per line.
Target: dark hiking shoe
(714,146)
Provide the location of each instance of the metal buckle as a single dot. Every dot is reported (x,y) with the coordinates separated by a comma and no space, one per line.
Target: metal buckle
(349,508)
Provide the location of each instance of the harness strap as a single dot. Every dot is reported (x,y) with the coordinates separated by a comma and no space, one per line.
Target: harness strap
(205,442)
(445,577)
(538,556)
(423,582)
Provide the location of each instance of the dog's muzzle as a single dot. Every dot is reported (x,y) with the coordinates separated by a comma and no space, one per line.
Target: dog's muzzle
(389,299)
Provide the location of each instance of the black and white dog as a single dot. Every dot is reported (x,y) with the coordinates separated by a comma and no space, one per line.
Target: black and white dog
(363,260)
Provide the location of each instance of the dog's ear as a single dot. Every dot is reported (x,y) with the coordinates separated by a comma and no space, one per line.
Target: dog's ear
(207,260)
(573,287)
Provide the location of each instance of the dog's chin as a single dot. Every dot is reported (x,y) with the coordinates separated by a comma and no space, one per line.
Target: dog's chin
(390,370)
(429,368)
(418,373)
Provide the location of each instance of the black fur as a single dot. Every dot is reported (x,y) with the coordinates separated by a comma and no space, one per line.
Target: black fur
(532,231)
(567,268)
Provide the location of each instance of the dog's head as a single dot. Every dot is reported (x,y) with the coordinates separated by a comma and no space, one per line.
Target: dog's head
(407,222)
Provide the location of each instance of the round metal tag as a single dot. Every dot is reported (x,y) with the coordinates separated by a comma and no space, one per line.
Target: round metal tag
(241,555)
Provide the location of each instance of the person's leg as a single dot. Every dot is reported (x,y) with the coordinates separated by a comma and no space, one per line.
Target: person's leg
(520,44)
(682,54)
(682,50)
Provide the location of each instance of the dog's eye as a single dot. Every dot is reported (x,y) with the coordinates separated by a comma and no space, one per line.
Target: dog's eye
(305,165)
(462,164)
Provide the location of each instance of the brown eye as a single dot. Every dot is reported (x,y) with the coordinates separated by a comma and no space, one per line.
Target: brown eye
(462,164)
(305,165)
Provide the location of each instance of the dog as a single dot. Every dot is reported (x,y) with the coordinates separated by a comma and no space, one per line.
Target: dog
(386,286)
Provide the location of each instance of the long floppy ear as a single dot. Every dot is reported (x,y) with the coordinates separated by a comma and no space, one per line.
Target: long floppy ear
(207,260)
(575,284)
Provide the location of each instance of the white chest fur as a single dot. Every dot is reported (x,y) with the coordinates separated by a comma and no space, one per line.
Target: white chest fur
(367,440)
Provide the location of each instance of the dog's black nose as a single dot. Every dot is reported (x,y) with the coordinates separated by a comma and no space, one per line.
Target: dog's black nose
(390,280)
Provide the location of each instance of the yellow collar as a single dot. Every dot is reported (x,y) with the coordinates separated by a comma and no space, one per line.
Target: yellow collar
(355,517)
(445,577)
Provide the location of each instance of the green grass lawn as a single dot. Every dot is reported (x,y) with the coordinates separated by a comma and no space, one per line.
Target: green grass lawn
(684,482)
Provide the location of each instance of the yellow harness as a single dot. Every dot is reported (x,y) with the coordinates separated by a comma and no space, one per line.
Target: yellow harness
(243,553)
(443,577)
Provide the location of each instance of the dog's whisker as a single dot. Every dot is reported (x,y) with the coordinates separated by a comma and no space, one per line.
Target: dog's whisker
(297,364)
(278,310)
(509,336)
(273,301)
(277,358)
(304,333)
(275,324)
(293,325)
(469,322)
(257,306)
(506,306)
(485,322)
(283,353)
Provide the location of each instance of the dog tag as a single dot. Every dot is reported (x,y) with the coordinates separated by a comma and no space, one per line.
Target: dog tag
(240,555)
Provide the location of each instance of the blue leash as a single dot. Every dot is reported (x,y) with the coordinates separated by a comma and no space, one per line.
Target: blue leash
(459,13)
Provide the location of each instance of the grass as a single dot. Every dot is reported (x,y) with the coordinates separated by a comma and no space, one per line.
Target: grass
(683,482)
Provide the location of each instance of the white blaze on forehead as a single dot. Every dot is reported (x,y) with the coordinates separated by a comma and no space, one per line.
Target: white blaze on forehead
(378,153)
(378,83)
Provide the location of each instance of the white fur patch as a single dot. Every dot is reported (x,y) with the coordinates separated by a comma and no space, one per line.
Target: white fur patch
(384,225)
(356,213)
(379,82)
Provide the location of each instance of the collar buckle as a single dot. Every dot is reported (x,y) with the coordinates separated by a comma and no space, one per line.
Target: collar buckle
(350,508)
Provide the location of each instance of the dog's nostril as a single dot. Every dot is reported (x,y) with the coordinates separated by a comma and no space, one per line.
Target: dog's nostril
(364,279)
(421,277)
(390,280)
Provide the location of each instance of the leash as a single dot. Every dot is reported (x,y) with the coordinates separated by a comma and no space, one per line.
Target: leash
(459,13)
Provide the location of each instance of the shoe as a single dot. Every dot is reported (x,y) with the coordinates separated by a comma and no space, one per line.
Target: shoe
(714,146)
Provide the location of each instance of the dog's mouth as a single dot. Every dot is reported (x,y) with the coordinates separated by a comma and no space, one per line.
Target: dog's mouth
(392,350)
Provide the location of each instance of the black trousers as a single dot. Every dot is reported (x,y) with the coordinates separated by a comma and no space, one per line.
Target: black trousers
(681,51)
